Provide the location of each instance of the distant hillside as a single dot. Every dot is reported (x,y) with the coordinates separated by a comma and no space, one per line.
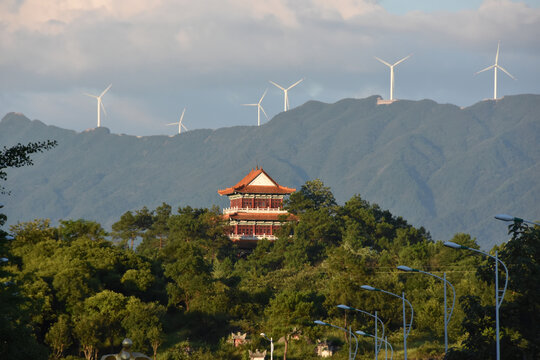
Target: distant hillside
(439,166)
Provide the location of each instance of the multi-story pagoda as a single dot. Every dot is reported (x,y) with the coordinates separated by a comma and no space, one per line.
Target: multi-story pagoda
(256,208)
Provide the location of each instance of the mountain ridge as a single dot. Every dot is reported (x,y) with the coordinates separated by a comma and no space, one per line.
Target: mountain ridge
(446,168)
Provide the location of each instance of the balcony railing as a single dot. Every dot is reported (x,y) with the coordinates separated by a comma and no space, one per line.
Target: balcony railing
(254,210)
(251,237)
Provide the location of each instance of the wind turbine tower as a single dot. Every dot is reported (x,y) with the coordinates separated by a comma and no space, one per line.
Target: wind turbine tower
(179,123)
(391,66)
(495,67)
(259,108)
(286,93)
(100,104)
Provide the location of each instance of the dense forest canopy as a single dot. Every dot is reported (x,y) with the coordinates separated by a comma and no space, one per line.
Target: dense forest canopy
(75,291)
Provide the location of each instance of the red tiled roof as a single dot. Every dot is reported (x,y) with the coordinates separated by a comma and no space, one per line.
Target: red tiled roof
(258,216)
(243,186)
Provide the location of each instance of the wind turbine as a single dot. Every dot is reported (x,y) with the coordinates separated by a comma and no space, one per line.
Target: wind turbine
(285,91)
(391,66)
(259,108)
(495,67)
(100,104)
(179,123)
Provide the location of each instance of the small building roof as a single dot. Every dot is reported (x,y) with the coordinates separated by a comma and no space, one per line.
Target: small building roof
(257,182)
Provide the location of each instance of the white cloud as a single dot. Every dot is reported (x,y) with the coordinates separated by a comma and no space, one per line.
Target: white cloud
(164,47)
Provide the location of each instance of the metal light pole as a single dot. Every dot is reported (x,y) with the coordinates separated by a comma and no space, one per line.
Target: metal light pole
(499,294)
(406,328)
(447,315)
(381,339)
(271,345)
(319,322)
(377,347)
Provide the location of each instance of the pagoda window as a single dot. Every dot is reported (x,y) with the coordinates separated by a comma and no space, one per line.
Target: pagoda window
(261,203)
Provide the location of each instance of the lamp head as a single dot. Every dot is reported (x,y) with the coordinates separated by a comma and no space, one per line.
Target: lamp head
(360,332)
(263,334)
(453,245)
(504,217)
(344,307)
(319,322)
(3,259)
(9,237)
(370,288)
(405,268)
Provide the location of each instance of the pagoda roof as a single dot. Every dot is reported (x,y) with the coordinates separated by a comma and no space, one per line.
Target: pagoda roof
(257,182)
(259,216)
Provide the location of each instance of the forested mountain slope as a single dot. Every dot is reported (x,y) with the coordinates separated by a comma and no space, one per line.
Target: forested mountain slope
(439,166)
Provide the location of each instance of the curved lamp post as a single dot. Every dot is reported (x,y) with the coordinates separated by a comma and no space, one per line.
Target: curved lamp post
(271,345)
(499,293)
(319,322)
(381,339)
(379,345)
(447,315)
(406,328)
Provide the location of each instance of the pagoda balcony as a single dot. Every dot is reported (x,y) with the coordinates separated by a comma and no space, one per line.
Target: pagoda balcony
(254,210)
(236,237)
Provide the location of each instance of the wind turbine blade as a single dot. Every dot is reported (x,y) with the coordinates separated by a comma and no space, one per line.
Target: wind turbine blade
(94,96)
(250,104)
(264,112)
(497,56)
(273,83)
(296,83)
(103,107)
(262,97)
(172,124)
(384,62)
(184,127)
(182,116)
(507,73)
(486,69)
(104,91)
(402,60)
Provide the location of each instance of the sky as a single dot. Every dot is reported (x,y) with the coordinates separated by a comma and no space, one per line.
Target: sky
(212,56)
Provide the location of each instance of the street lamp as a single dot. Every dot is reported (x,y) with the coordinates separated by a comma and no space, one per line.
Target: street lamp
(271,345)
(377,347)
(386,343)
(447,315)
(505,217)
(319,322)
(406,328)
(499,294)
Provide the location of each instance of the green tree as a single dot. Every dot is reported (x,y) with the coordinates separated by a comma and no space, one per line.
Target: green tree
(59,336)
(19,155)
(17,340)
(190,276)
(312,195)
(73,229)
(156,236)
(143,323)
(130,226)
(98,322)
(289,313)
